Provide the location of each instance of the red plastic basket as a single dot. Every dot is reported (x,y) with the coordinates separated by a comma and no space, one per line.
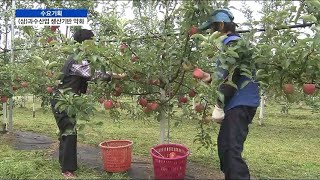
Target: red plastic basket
(116,155)
(169,168)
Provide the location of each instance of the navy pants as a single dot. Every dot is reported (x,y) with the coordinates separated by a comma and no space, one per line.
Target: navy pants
(232,135)
(67,143)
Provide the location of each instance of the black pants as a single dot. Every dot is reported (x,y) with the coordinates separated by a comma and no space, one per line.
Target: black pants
(232,135)
(68,144)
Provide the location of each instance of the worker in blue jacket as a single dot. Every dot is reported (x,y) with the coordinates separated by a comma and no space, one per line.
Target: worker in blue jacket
(239,106)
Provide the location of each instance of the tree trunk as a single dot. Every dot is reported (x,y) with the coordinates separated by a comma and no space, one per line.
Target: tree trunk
(10,124)
(33,108)
(261,115)
(5,120)
(162,117)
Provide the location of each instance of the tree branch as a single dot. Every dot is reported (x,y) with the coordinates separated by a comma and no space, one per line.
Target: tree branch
(176,91)
(145,93)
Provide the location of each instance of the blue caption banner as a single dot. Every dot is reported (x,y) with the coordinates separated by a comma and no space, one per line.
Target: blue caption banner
(51,13)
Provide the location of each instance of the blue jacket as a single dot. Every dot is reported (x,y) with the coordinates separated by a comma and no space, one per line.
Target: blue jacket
(248,95)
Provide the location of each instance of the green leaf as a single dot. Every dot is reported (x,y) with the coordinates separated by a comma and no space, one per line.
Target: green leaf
(52,65)
(262,83)
(287,63)
(82,136)
(204,44)
(214,36)
(231,84)
(220,96)
(244,84)
(246,70)
(81,127)
(224,66)
(231,60)
(58,104)
(100,123)
(199,36)
(28,30)
(232,53)
(246,74)
(63,107)
(309,18)
(314,3)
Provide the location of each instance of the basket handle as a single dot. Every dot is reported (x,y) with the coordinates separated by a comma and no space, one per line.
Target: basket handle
(157,152)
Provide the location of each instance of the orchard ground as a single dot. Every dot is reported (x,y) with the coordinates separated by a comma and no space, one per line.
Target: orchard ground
(286,146)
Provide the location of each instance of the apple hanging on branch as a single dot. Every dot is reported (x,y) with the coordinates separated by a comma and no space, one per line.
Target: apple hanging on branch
(193,30)
(143,101)
(123,47)
(24,84)
(50,89)
(4,99)
(108,104)
(101,100)
(288,88)
(309,89)
(198,73)
(54,28)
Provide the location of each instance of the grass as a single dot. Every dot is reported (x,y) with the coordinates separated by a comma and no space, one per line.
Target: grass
(36,164)
(286,146)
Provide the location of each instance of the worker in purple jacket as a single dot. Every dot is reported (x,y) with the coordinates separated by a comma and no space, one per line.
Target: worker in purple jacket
(75,76)
(239,106)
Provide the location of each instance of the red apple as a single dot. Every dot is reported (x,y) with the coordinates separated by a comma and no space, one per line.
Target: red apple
(118,88)
(309,88)
(136,77)
(288,88)
(154,106)
(199,108)
(54,28)
(150,81)
(193,30)
(123,47)
(101,100)
(143,102)
(153,81)
(15,88)
(183,99)
(24,84)
(146,109)
(198,73)
(4,99)
(50,39)
(192,93)
(134,58)
(108,104)
(156,82)
(49,89)
(116,93)
(173,155)
(149,105)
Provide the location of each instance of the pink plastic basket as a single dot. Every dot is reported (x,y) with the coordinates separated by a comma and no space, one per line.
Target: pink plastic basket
(166,167)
